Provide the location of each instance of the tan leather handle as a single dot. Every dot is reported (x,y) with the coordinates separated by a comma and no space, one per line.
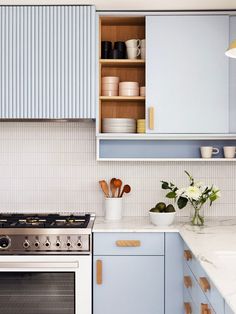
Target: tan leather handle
(188,255)
(151,118)
(188,309)
(128,243)
(187,281)
(204,284)
(204,309)
(99,272)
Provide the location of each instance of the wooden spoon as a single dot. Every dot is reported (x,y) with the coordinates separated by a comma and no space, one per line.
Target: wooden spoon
(118,184)
(112,187)
(104,187)
(126,189)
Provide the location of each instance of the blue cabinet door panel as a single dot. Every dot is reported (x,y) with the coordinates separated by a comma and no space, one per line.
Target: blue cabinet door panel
(187,73)
(130,285)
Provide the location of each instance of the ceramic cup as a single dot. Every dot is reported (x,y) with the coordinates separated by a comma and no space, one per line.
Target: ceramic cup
(229,151)
(143,43)
(132,43)
(133,53)
(208,151)
(113,208)
(143,53)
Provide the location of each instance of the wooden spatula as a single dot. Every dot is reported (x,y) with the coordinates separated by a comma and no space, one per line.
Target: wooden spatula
(104,187)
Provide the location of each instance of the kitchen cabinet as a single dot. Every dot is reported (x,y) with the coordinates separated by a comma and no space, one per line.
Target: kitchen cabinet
(187,74)
(128,277)
(47,62)
(228,309)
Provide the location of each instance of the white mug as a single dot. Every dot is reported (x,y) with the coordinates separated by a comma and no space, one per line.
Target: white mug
(229,151)
(132,43)
(208,151)
(143,43)
(133,53)
(143,53)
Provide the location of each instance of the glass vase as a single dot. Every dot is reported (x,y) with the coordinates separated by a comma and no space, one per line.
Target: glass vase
(197,215)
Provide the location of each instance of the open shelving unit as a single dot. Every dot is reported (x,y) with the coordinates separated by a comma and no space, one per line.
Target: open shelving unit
(117,28)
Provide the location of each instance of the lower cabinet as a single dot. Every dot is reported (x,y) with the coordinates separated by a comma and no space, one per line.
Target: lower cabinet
(128,273)
(128,285)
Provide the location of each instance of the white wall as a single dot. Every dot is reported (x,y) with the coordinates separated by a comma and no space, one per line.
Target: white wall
(51,166)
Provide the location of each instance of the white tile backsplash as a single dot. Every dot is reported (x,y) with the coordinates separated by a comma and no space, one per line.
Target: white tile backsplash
(51,166)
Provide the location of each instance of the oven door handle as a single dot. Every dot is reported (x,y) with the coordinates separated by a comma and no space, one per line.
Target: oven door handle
(39,265)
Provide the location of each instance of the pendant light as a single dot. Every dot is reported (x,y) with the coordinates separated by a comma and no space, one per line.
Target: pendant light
(231,52)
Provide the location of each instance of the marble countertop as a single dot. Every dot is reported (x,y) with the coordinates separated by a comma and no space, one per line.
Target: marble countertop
(214,245)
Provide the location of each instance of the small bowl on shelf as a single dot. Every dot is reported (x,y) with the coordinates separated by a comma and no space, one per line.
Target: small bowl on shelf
(109,93)
(110,86)
(110,79)
(128,92)
(128,85)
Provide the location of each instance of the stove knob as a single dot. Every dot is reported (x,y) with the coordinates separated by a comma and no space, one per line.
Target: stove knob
(26,244)
(58,244)
(47,243)
(37,244)
(68,244)
(79,244)
(5,242)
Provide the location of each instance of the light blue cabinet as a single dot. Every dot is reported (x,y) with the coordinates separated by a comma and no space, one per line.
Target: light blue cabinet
(173,274)
(187,73)
(130,285)
(128,272)
(228,309)
(47,62)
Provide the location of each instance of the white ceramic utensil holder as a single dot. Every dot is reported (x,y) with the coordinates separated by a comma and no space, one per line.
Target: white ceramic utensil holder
(113,208)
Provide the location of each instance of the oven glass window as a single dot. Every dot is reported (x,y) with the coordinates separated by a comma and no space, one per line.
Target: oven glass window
(37,293)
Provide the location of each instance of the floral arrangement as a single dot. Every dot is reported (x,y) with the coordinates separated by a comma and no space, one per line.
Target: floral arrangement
(197,194)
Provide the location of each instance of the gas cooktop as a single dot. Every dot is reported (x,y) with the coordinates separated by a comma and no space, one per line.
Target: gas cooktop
(46,234)
(44,221)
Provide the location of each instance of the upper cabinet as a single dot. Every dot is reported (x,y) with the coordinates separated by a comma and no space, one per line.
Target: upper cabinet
(187,74)
(47,62)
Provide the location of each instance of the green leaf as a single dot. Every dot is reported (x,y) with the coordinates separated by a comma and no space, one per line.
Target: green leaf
(182,202)
(165,185)
(171,194)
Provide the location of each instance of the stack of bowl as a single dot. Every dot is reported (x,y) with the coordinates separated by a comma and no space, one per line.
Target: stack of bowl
(141,128)
(129,89)
(110,85)
(118,125)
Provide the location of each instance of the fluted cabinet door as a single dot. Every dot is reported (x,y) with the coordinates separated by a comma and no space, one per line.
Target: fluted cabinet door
(47,62)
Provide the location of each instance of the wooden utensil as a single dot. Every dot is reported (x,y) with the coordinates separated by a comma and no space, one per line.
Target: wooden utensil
(112,187)
(118,184)
(126,189)
(104,187)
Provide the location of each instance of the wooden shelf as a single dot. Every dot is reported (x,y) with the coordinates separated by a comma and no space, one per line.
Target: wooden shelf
(122,98)
(122,62)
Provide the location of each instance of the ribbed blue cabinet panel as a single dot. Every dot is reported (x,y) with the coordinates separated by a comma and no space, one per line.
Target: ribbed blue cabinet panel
(130,285)
(47,62)
(228,309)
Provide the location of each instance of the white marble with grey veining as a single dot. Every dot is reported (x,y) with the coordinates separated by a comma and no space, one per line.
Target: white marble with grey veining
(214,245)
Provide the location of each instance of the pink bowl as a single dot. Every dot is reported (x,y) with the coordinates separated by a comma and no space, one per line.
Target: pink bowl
(109,93)
(110,86)
(129,85)
(110,79)
(128,92)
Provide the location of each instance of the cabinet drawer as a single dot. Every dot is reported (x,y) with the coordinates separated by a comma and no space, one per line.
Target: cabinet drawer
(196,293)
(205,282)
(128,243)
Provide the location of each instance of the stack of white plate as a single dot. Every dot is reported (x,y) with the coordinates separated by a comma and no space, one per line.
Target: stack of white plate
(118,125)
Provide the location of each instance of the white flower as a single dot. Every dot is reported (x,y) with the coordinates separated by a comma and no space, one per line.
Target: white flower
(193,192)
(216,190)
(181,192)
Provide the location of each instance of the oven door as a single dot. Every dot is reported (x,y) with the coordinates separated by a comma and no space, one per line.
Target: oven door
(45,284)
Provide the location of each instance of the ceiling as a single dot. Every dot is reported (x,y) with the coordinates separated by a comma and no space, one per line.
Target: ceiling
(139,5)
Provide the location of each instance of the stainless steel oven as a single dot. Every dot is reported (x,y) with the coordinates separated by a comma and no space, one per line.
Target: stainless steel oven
(38,278)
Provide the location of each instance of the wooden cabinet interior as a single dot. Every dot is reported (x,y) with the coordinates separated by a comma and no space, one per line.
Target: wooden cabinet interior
(117,28)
